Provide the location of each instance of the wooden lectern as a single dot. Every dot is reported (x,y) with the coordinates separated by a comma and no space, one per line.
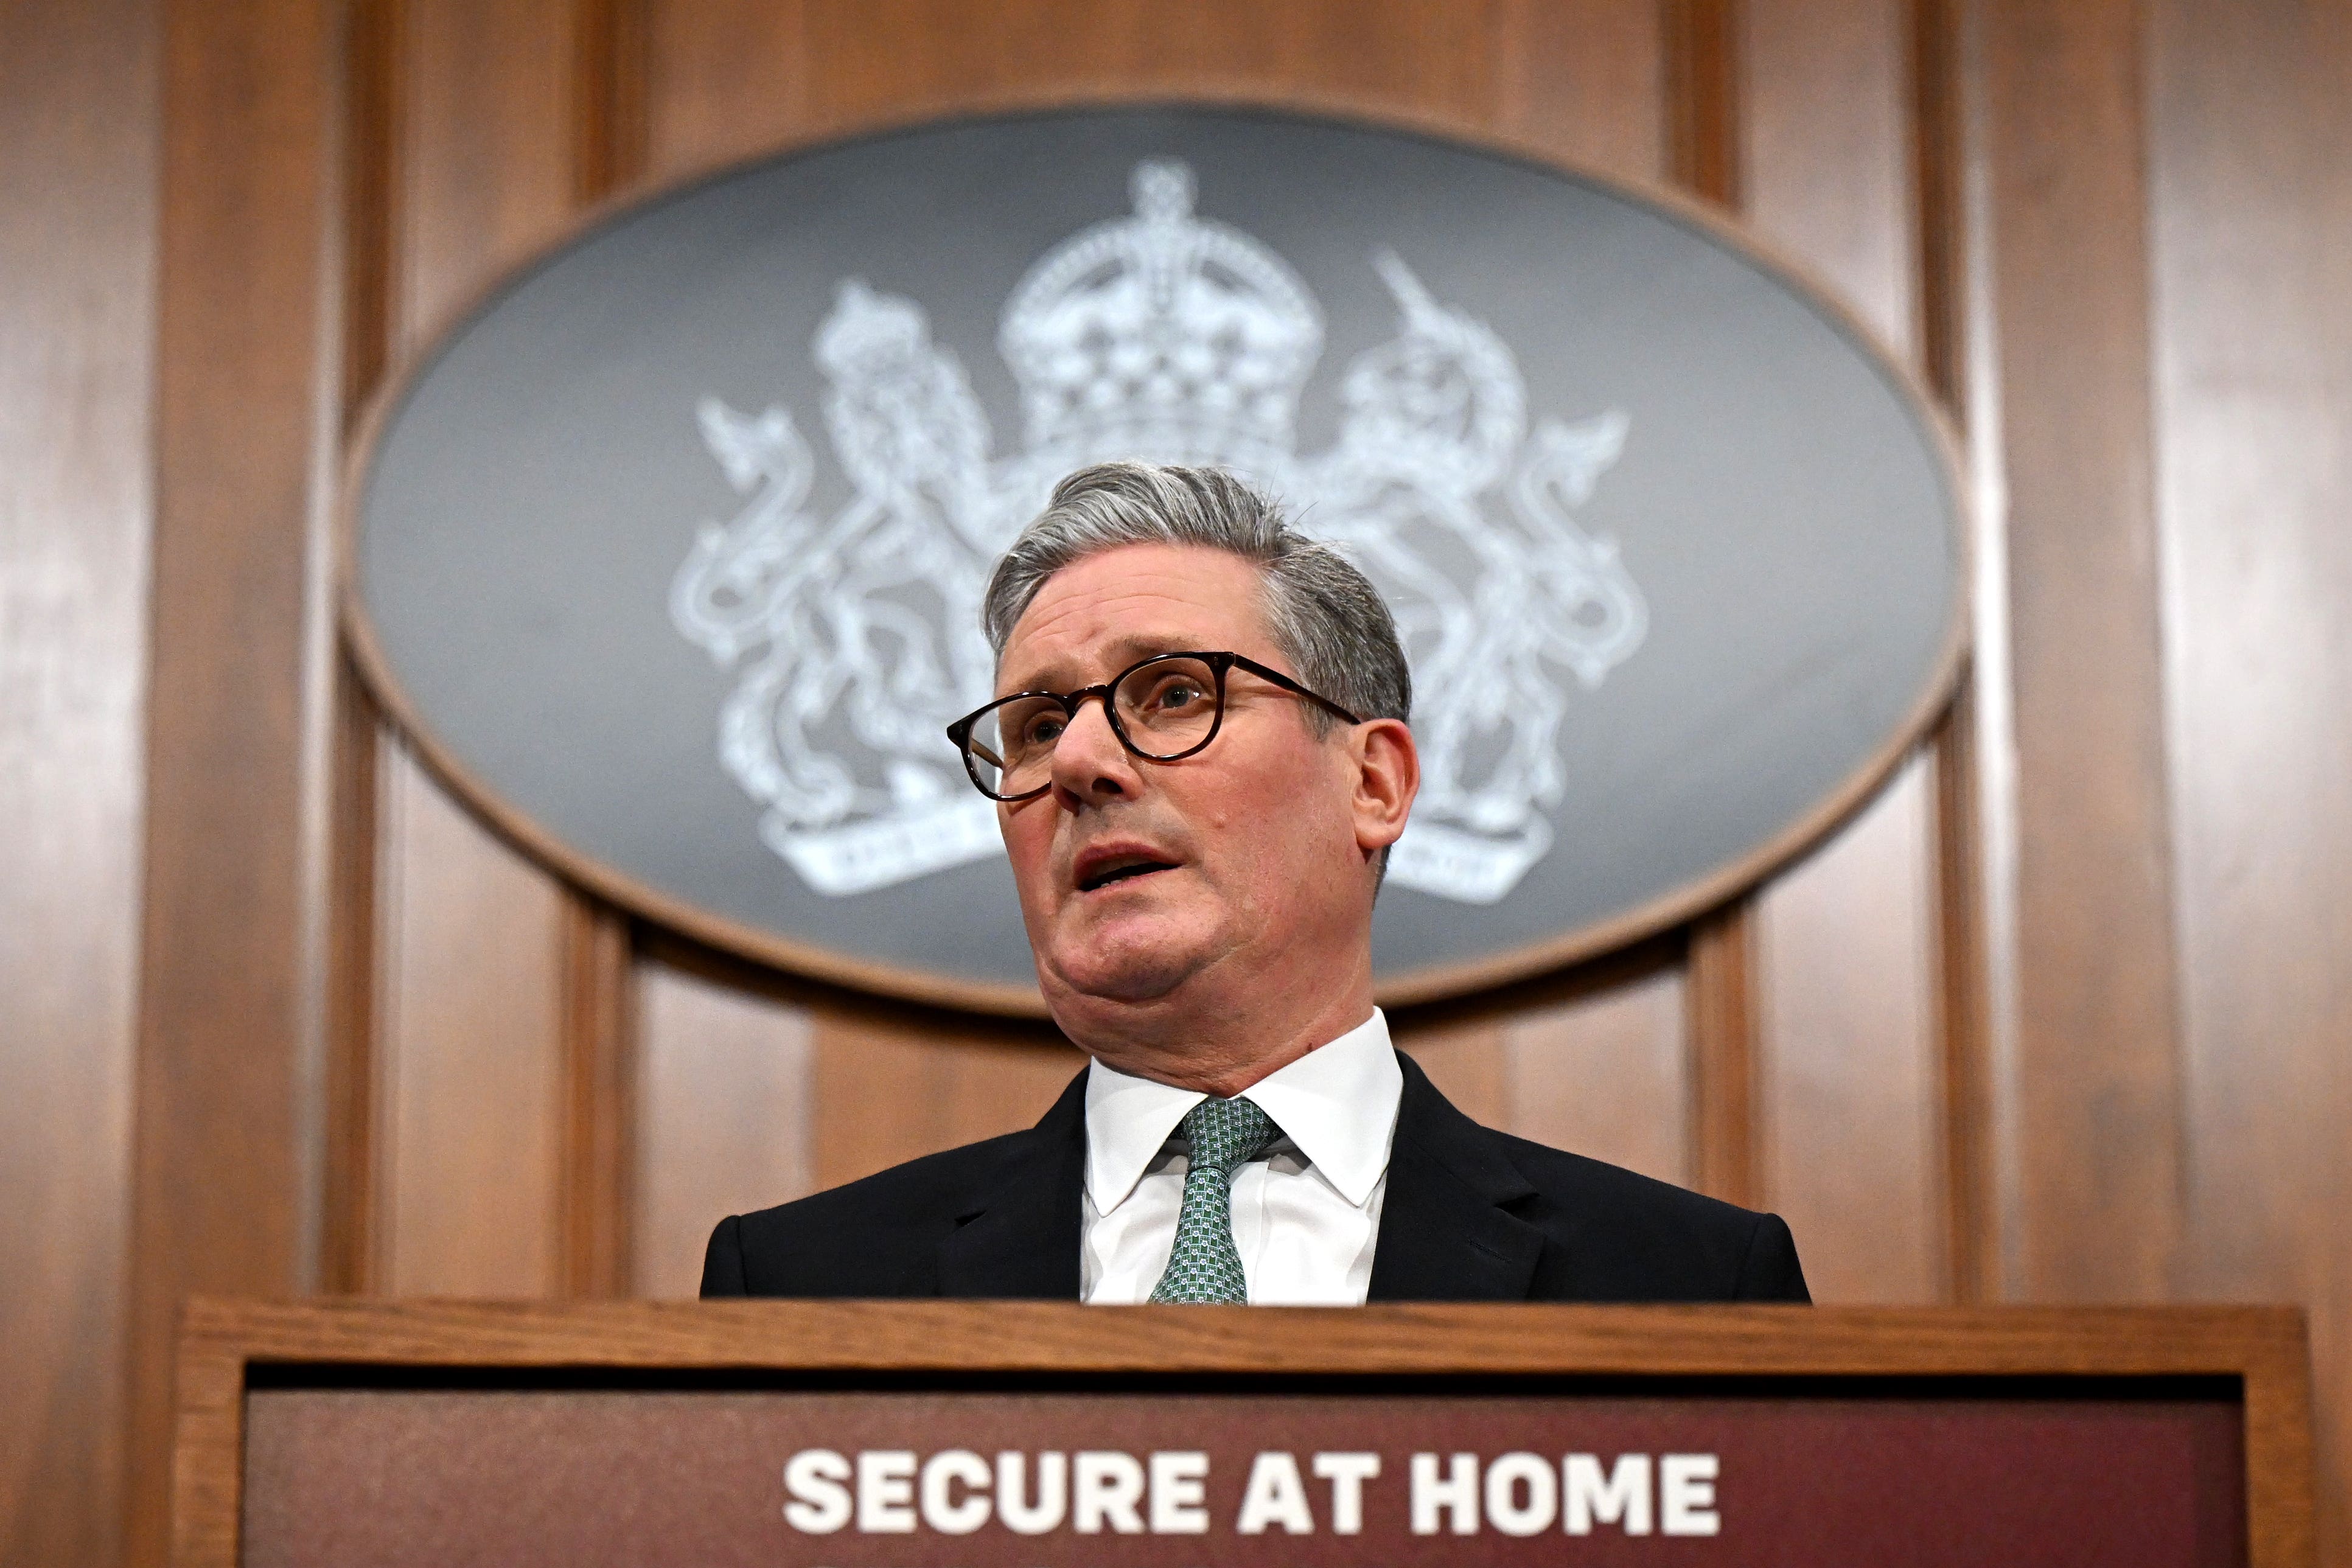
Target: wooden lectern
(925,1435)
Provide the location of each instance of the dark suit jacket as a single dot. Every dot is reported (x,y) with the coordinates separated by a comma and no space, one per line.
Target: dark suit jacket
(1470,1215)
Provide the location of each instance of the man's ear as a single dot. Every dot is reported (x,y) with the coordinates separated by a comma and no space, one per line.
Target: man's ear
(1388,777)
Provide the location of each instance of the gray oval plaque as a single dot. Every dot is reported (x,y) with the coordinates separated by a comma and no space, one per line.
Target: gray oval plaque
(670,554)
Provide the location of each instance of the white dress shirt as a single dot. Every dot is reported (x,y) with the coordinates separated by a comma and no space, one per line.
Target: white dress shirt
(1305,1214)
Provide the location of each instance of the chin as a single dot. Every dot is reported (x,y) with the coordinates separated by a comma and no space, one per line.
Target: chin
(1127,967)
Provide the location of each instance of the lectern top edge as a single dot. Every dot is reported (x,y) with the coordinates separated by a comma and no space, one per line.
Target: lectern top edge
(1436,1338)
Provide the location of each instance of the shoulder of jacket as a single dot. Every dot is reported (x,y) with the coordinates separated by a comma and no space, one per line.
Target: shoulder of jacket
(1581,1184)
(920,1189)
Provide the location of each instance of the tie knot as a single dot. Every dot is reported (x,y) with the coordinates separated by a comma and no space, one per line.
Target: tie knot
(1226,1132)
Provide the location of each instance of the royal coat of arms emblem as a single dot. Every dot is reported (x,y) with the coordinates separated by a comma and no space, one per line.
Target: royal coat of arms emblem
(1164,336)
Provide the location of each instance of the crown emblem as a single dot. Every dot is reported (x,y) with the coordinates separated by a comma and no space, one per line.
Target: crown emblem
(1162,338)
(1169,337)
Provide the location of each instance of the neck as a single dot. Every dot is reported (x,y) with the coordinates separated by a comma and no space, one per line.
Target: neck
(1199,1039)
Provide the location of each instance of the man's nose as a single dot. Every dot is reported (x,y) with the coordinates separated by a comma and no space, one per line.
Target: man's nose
(1089,763)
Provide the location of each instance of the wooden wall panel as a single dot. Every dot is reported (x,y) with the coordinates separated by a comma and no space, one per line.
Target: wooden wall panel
(2250,126)
(597,1131)
(471,1055)
(471,1081)
(725,1067)
(233,939)
(1585,78)
(1465,1058)
(1825,150)
(904,55)
(488,143)
(1603,1072)
(724,1121)
(891,1084)
(1701,53)
(1851,1097)
(726,79)
(1723,1022)
(1848,1094)
(80,111)
(2091,1210)
(1607,1072)
(1974,748)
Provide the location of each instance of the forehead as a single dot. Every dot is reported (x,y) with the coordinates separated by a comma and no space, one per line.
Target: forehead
(1100,614)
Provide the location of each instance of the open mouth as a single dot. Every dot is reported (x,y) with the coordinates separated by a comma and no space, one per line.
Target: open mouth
(1119,868)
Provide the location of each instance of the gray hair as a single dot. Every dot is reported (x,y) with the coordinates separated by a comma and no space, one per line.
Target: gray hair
(1325,618)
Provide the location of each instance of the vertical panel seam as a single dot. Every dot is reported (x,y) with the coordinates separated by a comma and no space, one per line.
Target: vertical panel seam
(597,1182)
(1703,66)
(610,144)
(610,58)
(1725,1149)
(1961,996)
(1702,63)
(366,119)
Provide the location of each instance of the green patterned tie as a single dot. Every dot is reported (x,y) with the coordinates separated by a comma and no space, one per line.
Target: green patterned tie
(1225,1135)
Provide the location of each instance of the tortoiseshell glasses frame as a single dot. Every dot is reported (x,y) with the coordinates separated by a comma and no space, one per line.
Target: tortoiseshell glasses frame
(1151,695)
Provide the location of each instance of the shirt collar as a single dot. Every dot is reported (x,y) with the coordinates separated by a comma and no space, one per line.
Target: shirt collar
(1337,1103)
(1127,1120)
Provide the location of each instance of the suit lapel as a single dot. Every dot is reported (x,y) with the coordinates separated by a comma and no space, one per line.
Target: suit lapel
(1017,1235)
(1444,1236)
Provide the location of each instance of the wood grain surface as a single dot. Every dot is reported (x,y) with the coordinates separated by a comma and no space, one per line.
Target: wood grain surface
(723,1123)
(599,1142)
(1845,941)
(474,988)
(2097,1173)
(80,91)
(2265,1343)
(2251,114)
(233,937)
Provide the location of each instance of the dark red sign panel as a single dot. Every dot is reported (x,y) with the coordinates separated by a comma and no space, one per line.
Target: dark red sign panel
(357,1477)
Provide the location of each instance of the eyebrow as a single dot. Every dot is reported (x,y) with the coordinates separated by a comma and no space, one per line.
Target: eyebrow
(1129,648)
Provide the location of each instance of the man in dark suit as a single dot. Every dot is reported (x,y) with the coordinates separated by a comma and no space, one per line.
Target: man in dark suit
(1200,754)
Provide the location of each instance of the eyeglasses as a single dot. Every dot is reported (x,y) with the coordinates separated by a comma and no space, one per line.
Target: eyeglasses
(1166,707)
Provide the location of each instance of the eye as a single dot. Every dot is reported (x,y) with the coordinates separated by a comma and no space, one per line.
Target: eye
(1171,693)
(1043,727)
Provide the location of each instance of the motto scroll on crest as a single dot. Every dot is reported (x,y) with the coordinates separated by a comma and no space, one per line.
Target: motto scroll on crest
(1167,338)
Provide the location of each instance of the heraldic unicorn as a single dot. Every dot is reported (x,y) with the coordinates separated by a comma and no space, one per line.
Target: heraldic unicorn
(1163,336)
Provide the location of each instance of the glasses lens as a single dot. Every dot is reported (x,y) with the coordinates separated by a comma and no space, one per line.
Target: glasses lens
(1012,744)
(1168,706)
